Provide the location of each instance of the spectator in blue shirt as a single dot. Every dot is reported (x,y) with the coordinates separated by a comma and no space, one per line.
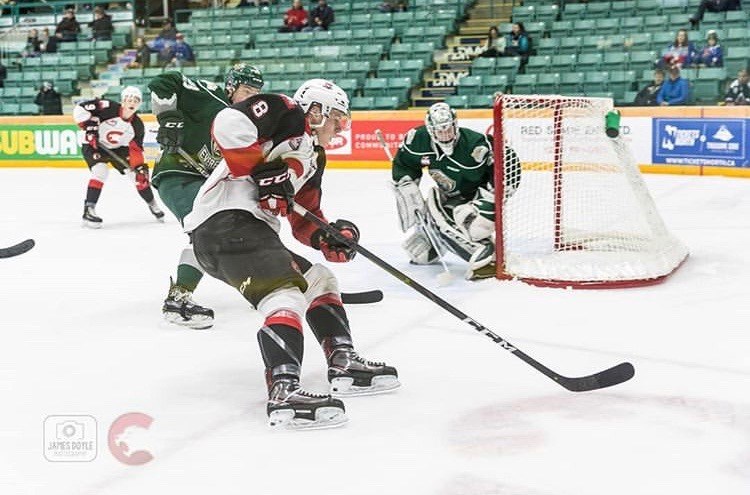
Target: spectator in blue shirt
(180,53)
(712,54)
(674,91)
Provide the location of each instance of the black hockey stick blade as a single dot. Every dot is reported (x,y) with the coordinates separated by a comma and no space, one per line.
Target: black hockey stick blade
(366,297)
(607,378)
(17,249)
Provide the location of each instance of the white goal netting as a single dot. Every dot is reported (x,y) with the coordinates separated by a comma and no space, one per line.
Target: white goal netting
(581,214)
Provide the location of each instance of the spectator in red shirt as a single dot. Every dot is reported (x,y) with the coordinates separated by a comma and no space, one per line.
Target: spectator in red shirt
(295,18)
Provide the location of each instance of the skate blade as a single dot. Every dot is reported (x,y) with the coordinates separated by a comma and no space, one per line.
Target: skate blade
(344,387)
(195,323)
(325,417)
(91,225)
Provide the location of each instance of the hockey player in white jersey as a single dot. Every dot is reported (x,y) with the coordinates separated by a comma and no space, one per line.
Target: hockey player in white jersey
(113,133)
(273,156)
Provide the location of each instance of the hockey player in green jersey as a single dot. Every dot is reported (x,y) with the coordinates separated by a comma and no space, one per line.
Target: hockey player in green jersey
(459,214)
(185,109)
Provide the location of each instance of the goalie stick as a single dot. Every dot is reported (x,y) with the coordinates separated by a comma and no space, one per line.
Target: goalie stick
(445,278)
(365,297)
(607,378)
(21,248)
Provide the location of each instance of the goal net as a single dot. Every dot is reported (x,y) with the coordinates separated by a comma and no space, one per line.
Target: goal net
(576,211)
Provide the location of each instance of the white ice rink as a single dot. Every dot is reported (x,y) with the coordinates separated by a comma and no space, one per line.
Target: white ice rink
(82,335)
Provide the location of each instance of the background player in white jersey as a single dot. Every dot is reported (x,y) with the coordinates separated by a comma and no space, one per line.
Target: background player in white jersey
(112,128)
(273,156)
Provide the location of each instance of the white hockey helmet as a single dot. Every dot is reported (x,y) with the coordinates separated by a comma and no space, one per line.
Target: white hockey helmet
(327,95)
(132,95)
(442,126)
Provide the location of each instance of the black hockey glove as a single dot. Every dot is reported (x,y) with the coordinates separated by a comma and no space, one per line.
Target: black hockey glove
(332,248)
(275,190)
(171,130)
(91,133)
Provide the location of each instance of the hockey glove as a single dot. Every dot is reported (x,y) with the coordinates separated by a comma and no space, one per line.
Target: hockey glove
(91,133)
(332,248)
(171,130)
(275,190)
(141,177)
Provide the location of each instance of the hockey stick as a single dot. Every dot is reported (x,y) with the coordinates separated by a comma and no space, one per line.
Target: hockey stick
(21,248)
(365,297)
(445,277)
(607,378)
(120,161)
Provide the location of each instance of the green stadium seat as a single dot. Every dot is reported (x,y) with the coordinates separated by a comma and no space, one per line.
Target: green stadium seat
(363,102)
(375,86)
(10,93)
(570,82)
(547,13)
(546,46)
(647,6)
(598,10)
(630,25)
(585,26)
(483,65)
(570,45)
(457,101)
(628,98)
(524,84)
(640,60)
(382,19)
(607,26)
(211,72)
(595,82)
(389,68)
(563,63)
(560,29)
(706,91)
(573,11)
(28,109)
(388,102)
(399,85)
(589,61)
(349,85)
(736,18)
(539,63)
(10,108)
(536,29)
(469,85)
(547,83)
(493,83)
(481,101)
(615,61)
(622,9)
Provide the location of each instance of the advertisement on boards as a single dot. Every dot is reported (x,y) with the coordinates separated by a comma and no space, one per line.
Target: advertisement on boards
(707,142)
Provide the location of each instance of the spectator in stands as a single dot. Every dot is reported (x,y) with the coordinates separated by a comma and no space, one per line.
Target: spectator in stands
(647,96)
(180,53)
(713,6)
(680,53)
(674,91)
(33,44)
(166,38)
(49,100)
(3,74)
(738,92)
(712,54)
(168,31)
(142,54)
(517,42)
(295,19)
(101,26)
(394,6)
(322,16)
(494,45)
(68,28)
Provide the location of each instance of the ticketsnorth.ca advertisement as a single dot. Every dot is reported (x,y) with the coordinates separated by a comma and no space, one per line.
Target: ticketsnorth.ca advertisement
(707,142)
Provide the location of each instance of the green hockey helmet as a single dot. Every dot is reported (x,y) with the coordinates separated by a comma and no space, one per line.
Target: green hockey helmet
(240,74)
(442,126)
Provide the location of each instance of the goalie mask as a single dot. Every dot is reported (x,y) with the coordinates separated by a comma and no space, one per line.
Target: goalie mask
(442,126)
(242,74)
(328,97)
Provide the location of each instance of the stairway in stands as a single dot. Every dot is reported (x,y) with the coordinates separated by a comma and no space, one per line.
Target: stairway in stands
(453,63)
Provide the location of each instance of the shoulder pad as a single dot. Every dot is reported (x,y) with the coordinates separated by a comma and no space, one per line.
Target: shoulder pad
(479,153)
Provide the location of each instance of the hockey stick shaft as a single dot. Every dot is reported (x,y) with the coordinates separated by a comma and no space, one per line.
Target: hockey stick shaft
(115,157)
(420,217)
(612,376)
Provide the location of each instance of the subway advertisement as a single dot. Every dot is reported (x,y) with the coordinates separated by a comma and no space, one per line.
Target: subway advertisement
(701,142)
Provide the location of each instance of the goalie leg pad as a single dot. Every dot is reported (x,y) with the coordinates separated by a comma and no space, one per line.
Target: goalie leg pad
(442,223)
(420,249)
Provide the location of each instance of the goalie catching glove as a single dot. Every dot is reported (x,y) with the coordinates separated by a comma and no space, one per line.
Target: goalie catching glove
(275,189)
(409,201)
(171,128)
(332,248)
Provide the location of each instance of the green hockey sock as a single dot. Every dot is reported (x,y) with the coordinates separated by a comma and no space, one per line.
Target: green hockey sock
(188,277)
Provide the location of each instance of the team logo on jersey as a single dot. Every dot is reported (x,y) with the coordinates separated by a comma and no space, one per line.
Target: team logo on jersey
(443,181)
(479,153)
(244,285)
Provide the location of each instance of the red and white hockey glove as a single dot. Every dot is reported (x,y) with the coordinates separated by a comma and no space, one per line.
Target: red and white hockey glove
(334,249)
(275,189)
(141,177)
(91,133)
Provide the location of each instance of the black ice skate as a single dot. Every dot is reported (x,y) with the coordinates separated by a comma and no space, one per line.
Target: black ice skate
(291,407)
(90,219)
(351,375)
(180,309)
(156,211)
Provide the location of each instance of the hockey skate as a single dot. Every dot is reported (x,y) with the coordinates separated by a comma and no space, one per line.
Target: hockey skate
(180,309)
(292,408)
(156,211)
(482,262)
(90,219)
(351,375)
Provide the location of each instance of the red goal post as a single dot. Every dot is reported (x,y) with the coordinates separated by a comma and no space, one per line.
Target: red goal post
(572,209)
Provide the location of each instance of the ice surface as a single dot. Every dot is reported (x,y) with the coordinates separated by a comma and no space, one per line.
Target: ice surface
(82,335)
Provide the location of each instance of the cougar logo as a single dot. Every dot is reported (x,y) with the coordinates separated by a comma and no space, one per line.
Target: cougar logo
(127,439)
(113,137)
